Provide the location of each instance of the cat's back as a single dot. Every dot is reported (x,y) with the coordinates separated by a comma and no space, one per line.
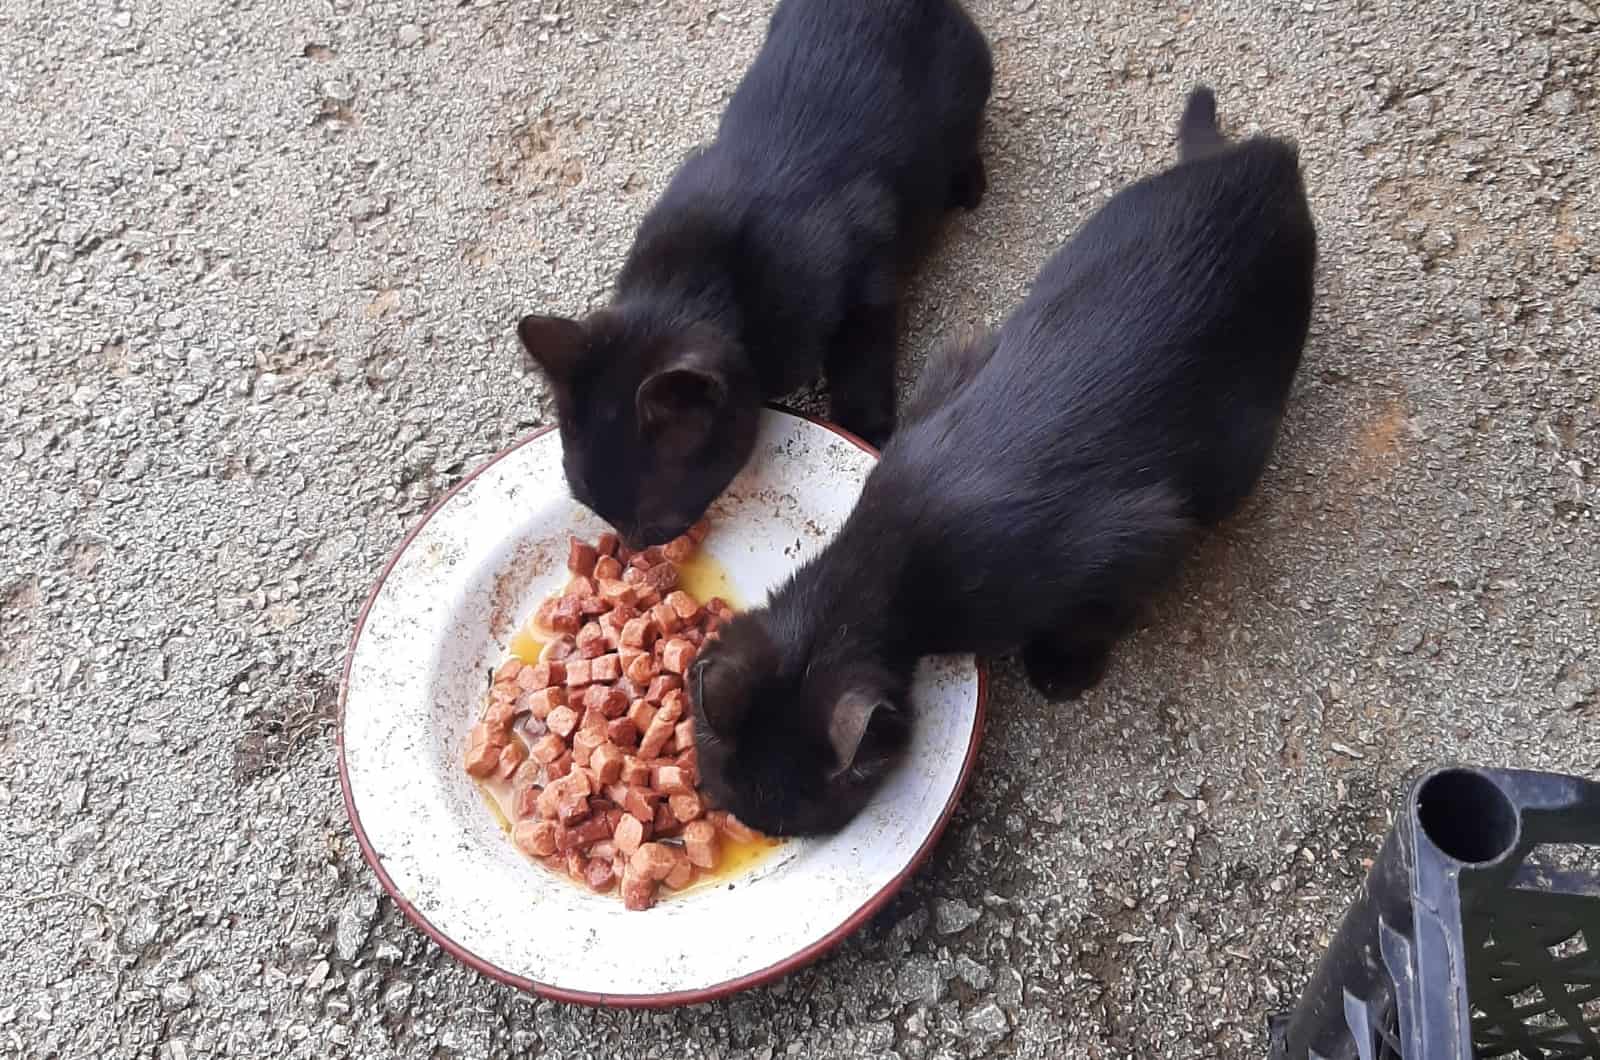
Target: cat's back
(834,74)
(1200,272)
(1158,344)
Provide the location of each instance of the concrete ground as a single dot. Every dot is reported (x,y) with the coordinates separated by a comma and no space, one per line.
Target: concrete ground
(261,263)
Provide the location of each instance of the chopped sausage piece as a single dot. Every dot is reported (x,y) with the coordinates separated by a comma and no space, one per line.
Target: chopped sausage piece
(623,732)
(581,557)
(512,755)
(670,780)
(653,861)
(593,722)
(635,773)
(543,675)
(605,850)
(548,801)
(661,579)
(560,767)
(677,656)
(639,633)
(584,745)
(509,670)
(535,838)
(630,833)
(617,592)
(525,801)
(684,605)
(699,531)
(572,808)
(528,774)
(662,684)
(606,668)
(642,670)
(501,691)
(608,568)
(581,587)
(686,807)
(682,874)
(641,712)
(689,762)
(606,762)
(666,825)
(558,649)
(591,606)
(679,549)
(666,619)
(563,721)
(655,737)
(685,734)
(566,616)
(595,697)
(700,843)
(693,636)
(588,833)
(578,673)
(606,544)
(542,704)
(549,748)
(638,892)
(576,864)
(674,705)
(591,641)
(483,754)
(641,803)
(500,715)
(613,620)
(598,875)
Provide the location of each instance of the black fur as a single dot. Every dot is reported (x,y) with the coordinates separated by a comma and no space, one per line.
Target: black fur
(776,252)
(1046,481)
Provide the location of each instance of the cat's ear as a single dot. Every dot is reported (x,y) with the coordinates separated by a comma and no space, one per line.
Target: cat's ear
(554,344)
(858,716)
(683,400)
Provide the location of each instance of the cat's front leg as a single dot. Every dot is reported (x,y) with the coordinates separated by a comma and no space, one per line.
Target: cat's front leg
(860,369)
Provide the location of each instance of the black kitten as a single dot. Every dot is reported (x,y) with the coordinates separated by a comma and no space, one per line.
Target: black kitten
(775,252)
(1046,480)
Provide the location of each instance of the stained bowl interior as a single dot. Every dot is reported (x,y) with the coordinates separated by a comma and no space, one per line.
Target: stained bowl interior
(440,619)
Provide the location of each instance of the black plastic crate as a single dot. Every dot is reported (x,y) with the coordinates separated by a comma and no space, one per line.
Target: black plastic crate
(1476,933)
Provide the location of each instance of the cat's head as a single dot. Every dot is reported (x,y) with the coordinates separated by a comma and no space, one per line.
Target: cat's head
(655,419)
(793,749)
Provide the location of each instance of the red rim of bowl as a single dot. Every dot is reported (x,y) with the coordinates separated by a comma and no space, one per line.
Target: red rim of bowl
(640,1001)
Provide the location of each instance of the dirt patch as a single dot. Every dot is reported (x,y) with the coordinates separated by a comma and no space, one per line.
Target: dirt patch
(299,717)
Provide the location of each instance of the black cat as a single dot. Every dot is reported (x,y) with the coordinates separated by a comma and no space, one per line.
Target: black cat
(1046,480)
(776,252)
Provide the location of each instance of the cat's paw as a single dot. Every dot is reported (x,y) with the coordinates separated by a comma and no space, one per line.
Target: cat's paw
(970,185)
(1062,675)
(873,427)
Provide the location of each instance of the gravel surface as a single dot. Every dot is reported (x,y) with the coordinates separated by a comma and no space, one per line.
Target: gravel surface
(259,266)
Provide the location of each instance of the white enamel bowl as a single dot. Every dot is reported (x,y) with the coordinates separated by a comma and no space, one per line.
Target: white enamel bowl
(439,618)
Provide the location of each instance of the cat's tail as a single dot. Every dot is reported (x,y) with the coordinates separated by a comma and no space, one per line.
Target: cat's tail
(1198,134)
